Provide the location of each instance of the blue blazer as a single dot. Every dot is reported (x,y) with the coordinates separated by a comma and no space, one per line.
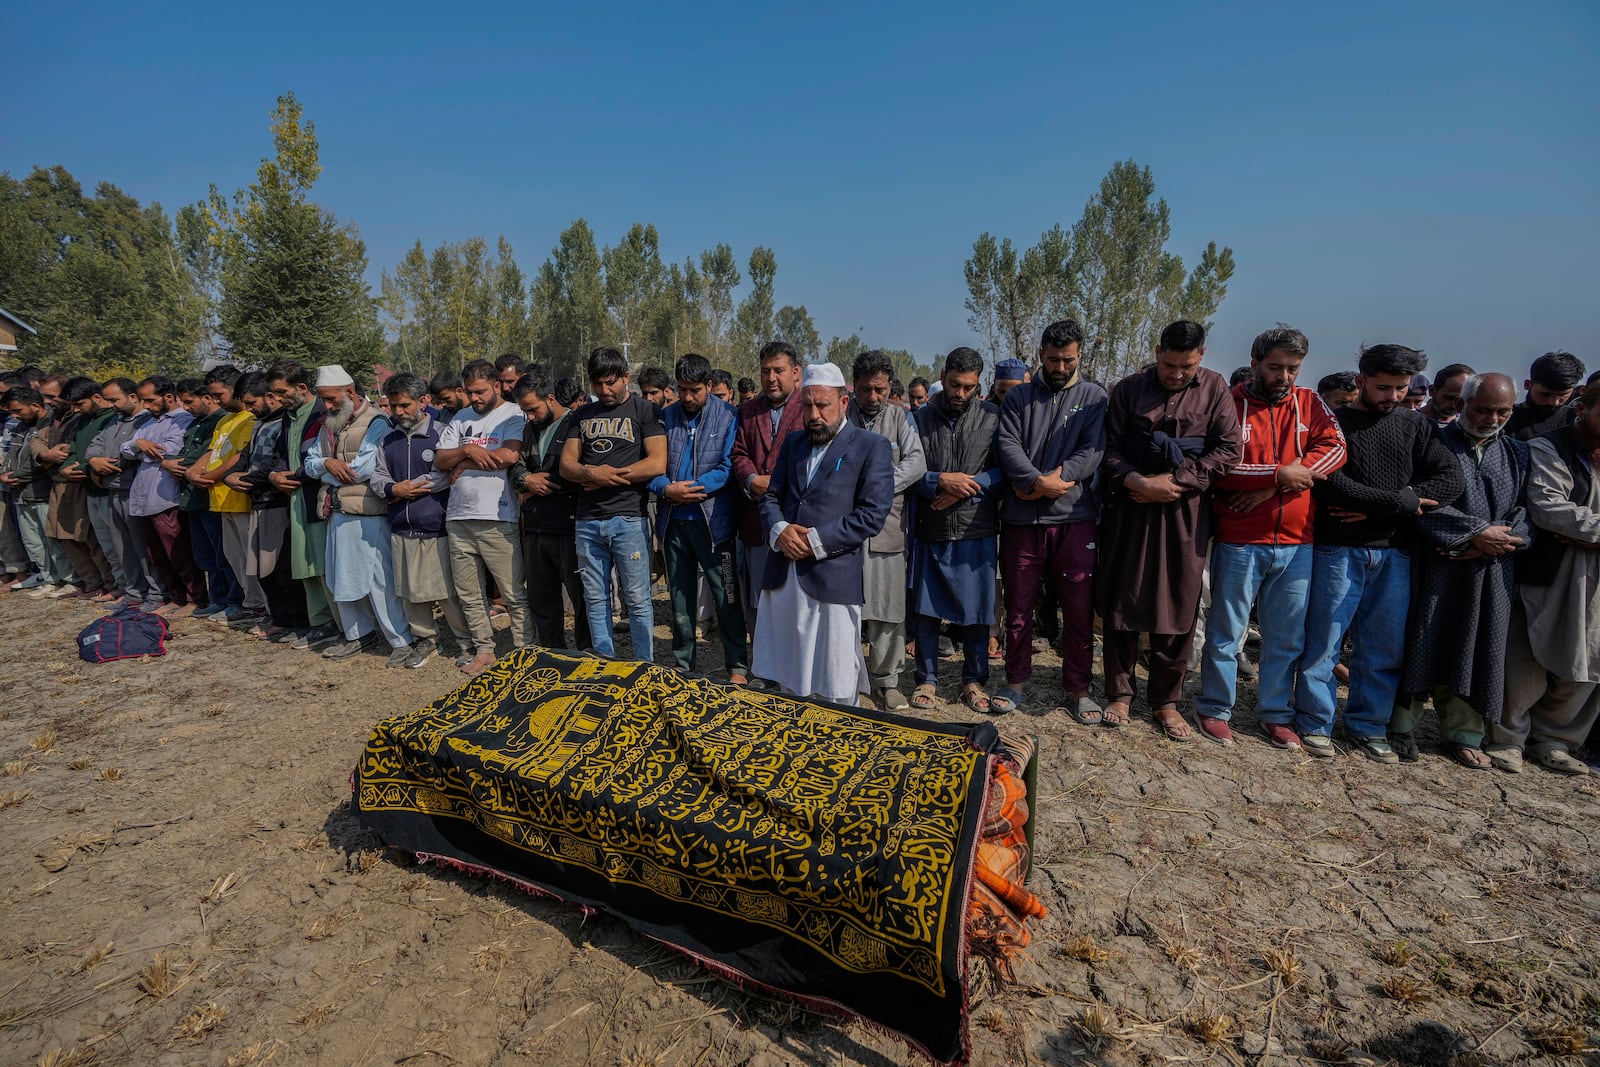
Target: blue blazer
(846,503)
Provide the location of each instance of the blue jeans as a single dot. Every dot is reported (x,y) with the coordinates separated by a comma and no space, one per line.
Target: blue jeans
(1366,592)
(205,540)
(623,543)
(1281,576)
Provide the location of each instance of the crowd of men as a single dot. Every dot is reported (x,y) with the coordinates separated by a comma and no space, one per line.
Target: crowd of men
(1420,541)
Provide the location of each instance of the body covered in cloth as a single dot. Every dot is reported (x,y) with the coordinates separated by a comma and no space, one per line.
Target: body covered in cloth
(825,852)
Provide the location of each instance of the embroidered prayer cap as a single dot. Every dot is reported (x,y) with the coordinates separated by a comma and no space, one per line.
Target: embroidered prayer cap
(333,375)
(1011,370)
(822,374)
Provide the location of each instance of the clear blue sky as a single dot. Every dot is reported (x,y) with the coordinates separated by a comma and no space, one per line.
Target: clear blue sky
(1422,173)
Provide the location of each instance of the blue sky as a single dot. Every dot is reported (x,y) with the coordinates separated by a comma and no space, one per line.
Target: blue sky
(1422,173)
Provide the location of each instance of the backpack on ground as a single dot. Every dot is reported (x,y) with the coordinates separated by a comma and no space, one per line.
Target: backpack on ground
(124,634)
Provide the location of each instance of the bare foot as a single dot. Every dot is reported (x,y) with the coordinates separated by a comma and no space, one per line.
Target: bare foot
(478,664)
(1115,713)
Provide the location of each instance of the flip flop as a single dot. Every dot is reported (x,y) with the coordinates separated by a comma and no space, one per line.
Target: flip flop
(1086,712)
(1176,728)
(1467,756)
(1006,700)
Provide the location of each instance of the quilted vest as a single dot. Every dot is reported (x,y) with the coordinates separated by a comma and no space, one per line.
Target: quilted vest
(357,499)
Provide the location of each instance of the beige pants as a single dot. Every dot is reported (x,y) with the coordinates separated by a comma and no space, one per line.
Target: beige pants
(1540,707)
(476,545)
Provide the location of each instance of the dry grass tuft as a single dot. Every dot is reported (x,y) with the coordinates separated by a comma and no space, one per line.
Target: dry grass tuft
(1331,1050)
(44,742)
(214,711)
(1184,955)
(81,764)
(16,767)
(201,1021)
(110,774)
(316,1015)
(81,1056)
(366,859)
(159,980)
(327,926)
(220,888)
(1395,953)
(1096,1025)
(1560,1040)
(311,844)
(492,957)
(253,1054)
(1208,1027)
(1285,964)
(1086,949)
(12,797)
(93,958)
(993,1020)
(1404,989)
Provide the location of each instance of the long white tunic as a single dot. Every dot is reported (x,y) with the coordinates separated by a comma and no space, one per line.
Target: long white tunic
(809,648)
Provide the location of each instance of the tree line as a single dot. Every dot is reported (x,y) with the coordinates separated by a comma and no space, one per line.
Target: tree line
(266,273)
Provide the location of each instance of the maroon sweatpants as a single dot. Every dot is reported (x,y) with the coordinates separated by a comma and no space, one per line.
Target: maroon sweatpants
(173,558)
(1063,556)
(1169,662)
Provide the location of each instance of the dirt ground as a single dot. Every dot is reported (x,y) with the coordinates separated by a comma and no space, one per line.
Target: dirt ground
(183,882)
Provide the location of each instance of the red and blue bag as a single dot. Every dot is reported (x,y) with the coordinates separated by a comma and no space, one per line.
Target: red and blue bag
(124,634)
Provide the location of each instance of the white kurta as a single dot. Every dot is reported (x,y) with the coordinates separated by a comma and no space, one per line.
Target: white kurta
(360,576)
(808,647)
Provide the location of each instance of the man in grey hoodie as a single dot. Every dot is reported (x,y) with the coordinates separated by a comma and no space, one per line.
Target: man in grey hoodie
(1051,440)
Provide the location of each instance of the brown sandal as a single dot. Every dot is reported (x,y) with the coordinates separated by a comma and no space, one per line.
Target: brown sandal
(973,696)
(924,695)
(1115,714)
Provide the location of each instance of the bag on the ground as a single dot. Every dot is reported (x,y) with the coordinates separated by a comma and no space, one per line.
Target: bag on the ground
(123,634)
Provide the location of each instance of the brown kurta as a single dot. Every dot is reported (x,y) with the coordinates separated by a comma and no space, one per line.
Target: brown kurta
(1152,556)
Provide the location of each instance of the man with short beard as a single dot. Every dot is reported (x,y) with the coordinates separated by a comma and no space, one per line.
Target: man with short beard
(549,511)
(78,505)
(307,547)
(1552,699)
(1444,395)
(418,494)
(832,488)
(229,443)
(204,526)
(476,448)
(1550,384)
(360,564)
(953,573)
(30,481)
(154,495)
(1050,441)
(1396,469)
(1462,582)
(267,527)
(1261,556)
(883,614)
(765,422)
(695,520)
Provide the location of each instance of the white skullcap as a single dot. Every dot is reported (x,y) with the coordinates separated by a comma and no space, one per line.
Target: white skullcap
(822,374)
(333,374)
(936,388)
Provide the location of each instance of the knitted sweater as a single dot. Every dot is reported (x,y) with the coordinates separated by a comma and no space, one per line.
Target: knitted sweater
(1394,459)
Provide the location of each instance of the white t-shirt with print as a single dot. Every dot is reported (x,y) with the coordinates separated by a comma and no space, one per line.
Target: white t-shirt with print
(480,494)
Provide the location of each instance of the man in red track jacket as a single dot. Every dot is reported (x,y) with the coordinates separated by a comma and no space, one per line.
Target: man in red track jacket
(763,424)
(1289,441)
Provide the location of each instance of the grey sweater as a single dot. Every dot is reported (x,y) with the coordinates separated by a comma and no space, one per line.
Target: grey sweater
(1042,430)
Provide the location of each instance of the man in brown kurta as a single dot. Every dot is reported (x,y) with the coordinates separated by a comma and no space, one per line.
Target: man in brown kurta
(1171,430)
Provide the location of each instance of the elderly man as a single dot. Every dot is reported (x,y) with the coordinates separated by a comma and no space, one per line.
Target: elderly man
(1552,695)
(765,422)
(883,615)
(831,491)
(1462,584)
(1171,431)
(360,563)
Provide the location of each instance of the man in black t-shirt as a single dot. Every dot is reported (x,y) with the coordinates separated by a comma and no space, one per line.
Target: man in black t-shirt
(614,447)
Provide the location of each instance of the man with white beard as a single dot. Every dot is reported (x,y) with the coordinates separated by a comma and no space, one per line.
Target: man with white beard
(831,491)
(360,570)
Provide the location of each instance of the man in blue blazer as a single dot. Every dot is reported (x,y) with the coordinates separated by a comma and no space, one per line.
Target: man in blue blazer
(831,491)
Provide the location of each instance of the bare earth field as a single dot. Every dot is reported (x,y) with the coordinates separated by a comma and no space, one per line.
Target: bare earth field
(183,882)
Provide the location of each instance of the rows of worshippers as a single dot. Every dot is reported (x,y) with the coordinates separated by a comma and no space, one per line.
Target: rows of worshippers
(1416,541)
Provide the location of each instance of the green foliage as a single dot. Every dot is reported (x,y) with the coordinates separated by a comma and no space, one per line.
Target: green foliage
(102,279)
(569,303)
(457,305)
(633,285)
(290,275)
(720,272)
(842,353)
(793,324)
(1111,272)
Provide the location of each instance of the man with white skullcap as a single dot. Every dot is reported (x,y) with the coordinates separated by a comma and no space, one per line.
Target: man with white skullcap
(360,570)
(831,491)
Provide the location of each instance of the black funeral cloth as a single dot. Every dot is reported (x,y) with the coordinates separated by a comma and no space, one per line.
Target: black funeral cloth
(822,851)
